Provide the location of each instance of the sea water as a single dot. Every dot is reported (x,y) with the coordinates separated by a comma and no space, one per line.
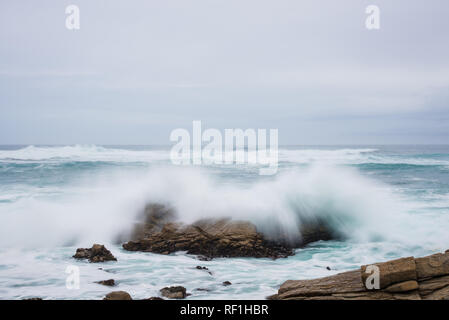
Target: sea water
(387,202)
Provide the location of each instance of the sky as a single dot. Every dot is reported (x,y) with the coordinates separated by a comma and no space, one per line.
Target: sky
(136,70)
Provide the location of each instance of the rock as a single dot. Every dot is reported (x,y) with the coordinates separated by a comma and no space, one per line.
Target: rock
(177,292)
(435,288)
(201,268)
(212,238)
(315,230)
(202,289)
(328,268)
(154,298)
(393,271)
(398,281)
(33,299)
(161,233)
(227,283)
(118,295)
(109,282)
(432,266)
(98,253)
(341,283)
(403,286)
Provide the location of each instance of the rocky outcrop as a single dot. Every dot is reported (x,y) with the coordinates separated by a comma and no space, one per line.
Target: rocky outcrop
(409,278)
(177,292)
(118,295)
(160,233)
(98,253)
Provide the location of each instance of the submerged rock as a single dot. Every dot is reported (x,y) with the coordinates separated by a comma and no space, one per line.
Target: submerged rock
(210,238)
(227,283)
(408,278)
(98,253)
(118,295)
(176,292)
(109,282)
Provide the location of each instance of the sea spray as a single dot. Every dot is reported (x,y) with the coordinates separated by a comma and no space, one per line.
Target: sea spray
(108,205)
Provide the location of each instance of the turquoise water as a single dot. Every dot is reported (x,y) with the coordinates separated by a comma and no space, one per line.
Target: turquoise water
(388,201)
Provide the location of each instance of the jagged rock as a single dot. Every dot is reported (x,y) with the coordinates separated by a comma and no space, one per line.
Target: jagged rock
(109,282)
(160,233)
(393,271)
(118,295)
(98,253)
(222,238)
(398,281)
(176,292)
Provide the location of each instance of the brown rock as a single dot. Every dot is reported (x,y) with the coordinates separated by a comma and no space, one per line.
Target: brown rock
(400,275)
(393,271)
(154,298)
(211,238)
(118,295)
(109,282)
(177,292)
(403,286)
(427,287)
(160,233)
(98,253)
(432,266)
(341,283)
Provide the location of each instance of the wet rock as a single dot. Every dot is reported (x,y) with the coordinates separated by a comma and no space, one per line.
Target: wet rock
(210,238)
(154,298)
(227,283)
(202,289)
(201,268)
(175,292)
(109,282)
(222,238)
(98,253)
(34,298)
(398,281)
(328,268)
(118,295)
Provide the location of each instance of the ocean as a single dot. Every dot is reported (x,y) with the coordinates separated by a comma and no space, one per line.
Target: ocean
(387,201)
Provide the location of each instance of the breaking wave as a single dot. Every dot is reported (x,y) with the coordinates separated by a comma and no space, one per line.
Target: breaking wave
(97,209)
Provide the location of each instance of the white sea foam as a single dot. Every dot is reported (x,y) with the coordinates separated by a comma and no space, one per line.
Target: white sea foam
(295,156)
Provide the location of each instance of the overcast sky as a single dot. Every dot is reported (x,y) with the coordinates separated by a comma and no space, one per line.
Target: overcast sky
(138,69)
